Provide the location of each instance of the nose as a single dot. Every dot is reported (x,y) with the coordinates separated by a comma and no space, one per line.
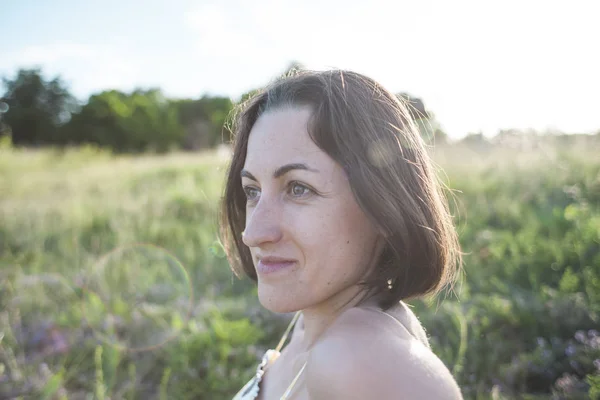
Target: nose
(263,223)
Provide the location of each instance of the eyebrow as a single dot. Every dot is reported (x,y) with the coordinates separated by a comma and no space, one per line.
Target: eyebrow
(279,172)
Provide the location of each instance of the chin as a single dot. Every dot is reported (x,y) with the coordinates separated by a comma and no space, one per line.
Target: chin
(278,302)
(277,308)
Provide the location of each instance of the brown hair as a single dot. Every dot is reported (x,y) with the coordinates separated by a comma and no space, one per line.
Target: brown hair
(371,134)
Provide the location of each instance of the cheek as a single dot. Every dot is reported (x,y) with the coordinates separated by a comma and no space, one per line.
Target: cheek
(329,239)
(333,236)
(354,237)
(315,231)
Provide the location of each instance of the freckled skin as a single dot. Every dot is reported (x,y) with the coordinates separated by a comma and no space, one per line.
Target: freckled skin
(326,231)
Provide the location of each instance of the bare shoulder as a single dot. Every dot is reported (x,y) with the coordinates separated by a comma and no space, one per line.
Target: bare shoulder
(360,358)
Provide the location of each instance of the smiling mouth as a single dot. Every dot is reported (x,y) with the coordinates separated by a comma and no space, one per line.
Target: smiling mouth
(266,266)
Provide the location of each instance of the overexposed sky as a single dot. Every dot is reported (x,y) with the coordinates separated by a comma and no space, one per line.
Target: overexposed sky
(478,65)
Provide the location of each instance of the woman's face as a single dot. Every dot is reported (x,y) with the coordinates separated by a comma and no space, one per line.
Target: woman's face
(300,207)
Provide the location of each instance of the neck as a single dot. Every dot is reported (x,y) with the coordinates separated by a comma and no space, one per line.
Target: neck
(317,319)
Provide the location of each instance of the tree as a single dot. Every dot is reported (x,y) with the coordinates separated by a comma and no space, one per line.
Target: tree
(141,121)
(4,128)
(428,125)
(36,108)
(203,120)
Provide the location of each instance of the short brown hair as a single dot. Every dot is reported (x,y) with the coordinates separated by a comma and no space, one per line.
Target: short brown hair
(369,132)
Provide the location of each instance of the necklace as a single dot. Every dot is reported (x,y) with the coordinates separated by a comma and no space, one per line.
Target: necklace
(251,389)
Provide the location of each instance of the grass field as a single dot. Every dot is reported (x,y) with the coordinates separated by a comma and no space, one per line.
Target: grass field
(113,284)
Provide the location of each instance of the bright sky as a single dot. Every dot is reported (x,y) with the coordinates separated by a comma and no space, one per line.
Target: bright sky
(478,65)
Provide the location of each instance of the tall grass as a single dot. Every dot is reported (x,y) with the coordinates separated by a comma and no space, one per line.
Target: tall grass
(113,284)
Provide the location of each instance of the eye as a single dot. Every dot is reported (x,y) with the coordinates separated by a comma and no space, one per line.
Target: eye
(294,188)
(251,193)
(299,190)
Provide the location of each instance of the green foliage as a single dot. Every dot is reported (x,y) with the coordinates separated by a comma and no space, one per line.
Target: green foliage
(594,382)
(37,108)
(531,232)
(525,324)
(203,120)
(100,386)
(44,113)
(216,360)
(52,387)
(135,122)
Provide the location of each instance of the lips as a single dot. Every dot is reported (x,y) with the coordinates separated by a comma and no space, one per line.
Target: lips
(271,264)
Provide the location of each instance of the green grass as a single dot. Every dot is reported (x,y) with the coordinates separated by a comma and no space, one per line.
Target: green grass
(113,285)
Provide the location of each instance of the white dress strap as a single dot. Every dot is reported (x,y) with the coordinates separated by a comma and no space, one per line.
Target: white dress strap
(251,389)
(415,329)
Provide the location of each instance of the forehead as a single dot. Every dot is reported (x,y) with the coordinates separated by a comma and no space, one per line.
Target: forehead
(281,136)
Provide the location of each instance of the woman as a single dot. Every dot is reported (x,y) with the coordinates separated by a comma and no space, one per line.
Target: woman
(332,207)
